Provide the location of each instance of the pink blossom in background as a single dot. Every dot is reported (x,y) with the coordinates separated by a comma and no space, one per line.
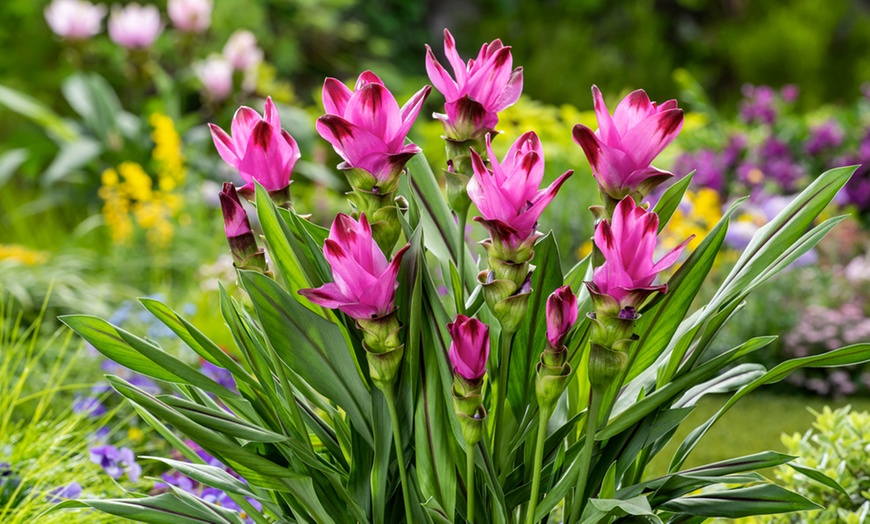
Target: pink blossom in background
(366,126)
(74,19)
(216,76)
(135,26)
(628,242)
(621,150)
(241,50)
(192,16)
(508,196)
(561,315)
(478,90)
(365,283)
(470,347)
(258,148)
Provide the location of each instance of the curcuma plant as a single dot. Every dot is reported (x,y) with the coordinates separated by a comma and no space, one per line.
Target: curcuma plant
(525,393)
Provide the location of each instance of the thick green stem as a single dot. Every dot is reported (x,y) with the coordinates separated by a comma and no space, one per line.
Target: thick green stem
(460,262)
(469,468)
(543,418)
(504,363)
(400,455)
(586,457)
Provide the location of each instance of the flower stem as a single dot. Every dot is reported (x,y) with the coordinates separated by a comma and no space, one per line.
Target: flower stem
(400,455)
(469,467)
(586,457)
(460,263)
(504,363)
(543,418)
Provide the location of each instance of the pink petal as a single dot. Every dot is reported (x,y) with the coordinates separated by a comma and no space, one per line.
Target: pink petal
(383,291)
(366,78)
(351,142)
(632,110)
(335,96)
(328,295)
(485,194)
(358,310)
(606,128)
(224,145)
(511,92)
(529,217)
(459,68)
(440,78)
(409,114)
(646,140)
(349,276)
(609,165)
(243,125)
(669,259)
(268,158)
(487,83)
(271,114)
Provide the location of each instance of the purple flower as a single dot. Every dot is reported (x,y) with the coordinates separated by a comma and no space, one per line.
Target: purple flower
(90,406)
(824,137)
(477,91)
(135,26)
(218,374)
(758,105)
(621,150)
(561,315)
(470,347)
(258,148)
(115,462)
(74,19)
(72,490)
(508,196)
(367,128)
(365,283)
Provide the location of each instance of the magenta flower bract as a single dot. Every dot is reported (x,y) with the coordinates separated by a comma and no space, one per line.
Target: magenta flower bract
(235,218)
(366,126)
(470,347)
(508,196)
(561,315)
(621,151)
(628,242)
(365,283)
(258,148)
(74,19)
(135,26)
(481,88)
(192,16)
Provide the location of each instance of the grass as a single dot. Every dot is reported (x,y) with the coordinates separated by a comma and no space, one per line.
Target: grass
(754,424)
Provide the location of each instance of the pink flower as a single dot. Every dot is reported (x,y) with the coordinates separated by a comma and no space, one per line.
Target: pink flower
(235,218)
(621,151)
(482,87)
(216,75)
(258,148)
(366,126)
(134,26)
(508,196)
(470,347)
(628,243)
(561,315)
(192,16)
(365,283)
(74,19)
(241,50)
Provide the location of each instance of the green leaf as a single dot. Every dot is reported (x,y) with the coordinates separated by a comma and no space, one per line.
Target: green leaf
(764,499)
(819,477)
(166,508)
(209,475)
(10,161)
(73,155)
(605,510)
(855,354)
(279,237)
(311,346)
(95,101)
(671,199)
(221,421)
(36,111)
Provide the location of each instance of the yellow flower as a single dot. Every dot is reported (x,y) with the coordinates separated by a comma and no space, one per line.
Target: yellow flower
(22,255)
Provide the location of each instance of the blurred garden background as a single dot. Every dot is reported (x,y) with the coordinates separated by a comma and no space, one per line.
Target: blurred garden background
(109,179)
